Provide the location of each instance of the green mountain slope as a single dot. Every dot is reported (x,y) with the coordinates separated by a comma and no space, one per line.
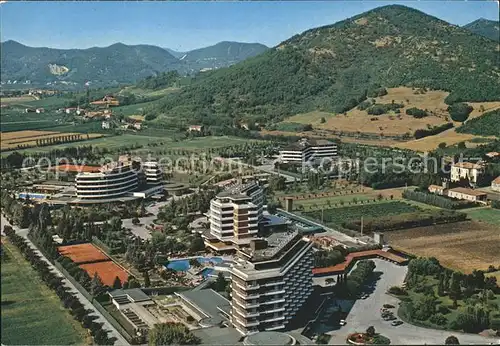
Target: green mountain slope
(330,69)
(484,27)
(486,125)
(116,63)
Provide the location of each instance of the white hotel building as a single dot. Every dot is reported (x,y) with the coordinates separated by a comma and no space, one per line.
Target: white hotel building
(270,282)
(234,217)
(308,149)
(116,179)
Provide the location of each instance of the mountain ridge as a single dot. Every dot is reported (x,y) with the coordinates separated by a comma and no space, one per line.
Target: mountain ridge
(333,67)
(485,27)
(116,63)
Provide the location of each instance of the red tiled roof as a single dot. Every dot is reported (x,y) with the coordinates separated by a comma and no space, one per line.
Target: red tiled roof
(497,180)
(76,168)
(357,256)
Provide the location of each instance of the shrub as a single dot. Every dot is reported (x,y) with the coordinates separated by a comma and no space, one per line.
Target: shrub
(416,112)
(459,111)
(396,290)
(443,309)
(438,319)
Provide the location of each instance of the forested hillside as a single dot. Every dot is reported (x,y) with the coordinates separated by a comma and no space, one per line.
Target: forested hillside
(486,125)
(484,27)
(332,68)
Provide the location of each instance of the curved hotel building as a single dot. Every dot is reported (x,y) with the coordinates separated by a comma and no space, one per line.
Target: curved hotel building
(109,182)
(117,179)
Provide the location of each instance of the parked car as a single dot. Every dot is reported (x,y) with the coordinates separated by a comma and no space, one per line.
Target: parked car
(389,306)
(396,323)
(342,322)
(364,296)
(390,318)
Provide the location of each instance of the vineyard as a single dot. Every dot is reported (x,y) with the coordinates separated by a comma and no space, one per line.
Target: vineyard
(30,139)
(339,216)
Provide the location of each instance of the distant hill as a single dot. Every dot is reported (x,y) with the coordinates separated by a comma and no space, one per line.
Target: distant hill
(484,27)
(222,54)
(175,53)
(332,68)
(118,63)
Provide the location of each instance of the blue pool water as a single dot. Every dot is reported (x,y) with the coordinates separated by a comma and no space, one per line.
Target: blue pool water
(206,272)
(183,265)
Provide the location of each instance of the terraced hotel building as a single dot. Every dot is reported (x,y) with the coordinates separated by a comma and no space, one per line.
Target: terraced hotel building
(270,282)
(234,217)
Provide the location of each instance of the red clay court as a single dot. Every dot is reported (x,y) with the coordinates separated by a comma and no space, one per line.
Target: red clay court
(107,271)
(83,253)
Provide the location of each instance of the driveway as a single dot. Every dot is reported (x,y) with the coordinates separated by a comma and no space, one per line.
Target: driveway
(365,313)
(86,303)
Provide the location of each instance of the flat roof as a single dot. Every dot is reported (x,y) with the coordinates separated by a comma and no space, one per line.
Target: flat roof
(136,294)
(209,302)
(467,191)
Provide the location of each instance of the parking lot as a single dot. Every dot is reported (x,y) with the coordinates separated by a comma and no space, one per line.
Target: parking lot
(366,312)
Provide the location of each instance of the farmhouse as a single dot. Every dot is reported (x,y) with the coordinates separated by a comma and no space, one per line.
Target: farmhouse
(197,128)
(495,184)
(107,101)
(493,154)
(467,194)
(466,170)
(438,190)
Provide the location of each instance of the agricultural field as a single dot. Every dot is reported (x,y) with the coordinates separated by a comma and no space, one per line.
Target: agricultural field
(29,138)
(450,137)
(463,246)
(31,313)
(17,99)
(391,124)
(336,195)
(488,215)
(337,216)
(134,109)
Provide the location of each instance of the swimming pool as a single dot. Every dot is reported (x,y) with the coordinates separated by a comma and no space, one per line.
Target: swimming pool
(183,265)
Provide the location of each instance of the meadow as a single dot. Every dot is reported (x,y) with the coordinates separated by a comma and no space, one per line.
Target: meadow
(463,246)
(488,215)
(31,313)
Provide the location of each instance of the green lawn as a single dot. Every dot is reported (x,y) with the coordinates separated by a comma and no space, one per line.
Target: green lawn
(489,215)
(31,313)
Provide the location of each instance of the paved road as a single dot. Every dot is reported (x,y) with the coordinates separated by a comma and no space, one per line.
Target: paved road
(86,303)
(366,313)
(264,168)
(141,230)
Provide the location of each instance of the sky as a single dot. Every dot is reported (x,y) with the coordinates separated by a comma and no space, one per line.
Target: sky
(183,26)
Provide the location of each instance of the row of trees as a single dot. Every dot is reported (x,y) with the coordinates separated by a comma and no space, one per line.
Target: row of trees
(435,200)
(54,282)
